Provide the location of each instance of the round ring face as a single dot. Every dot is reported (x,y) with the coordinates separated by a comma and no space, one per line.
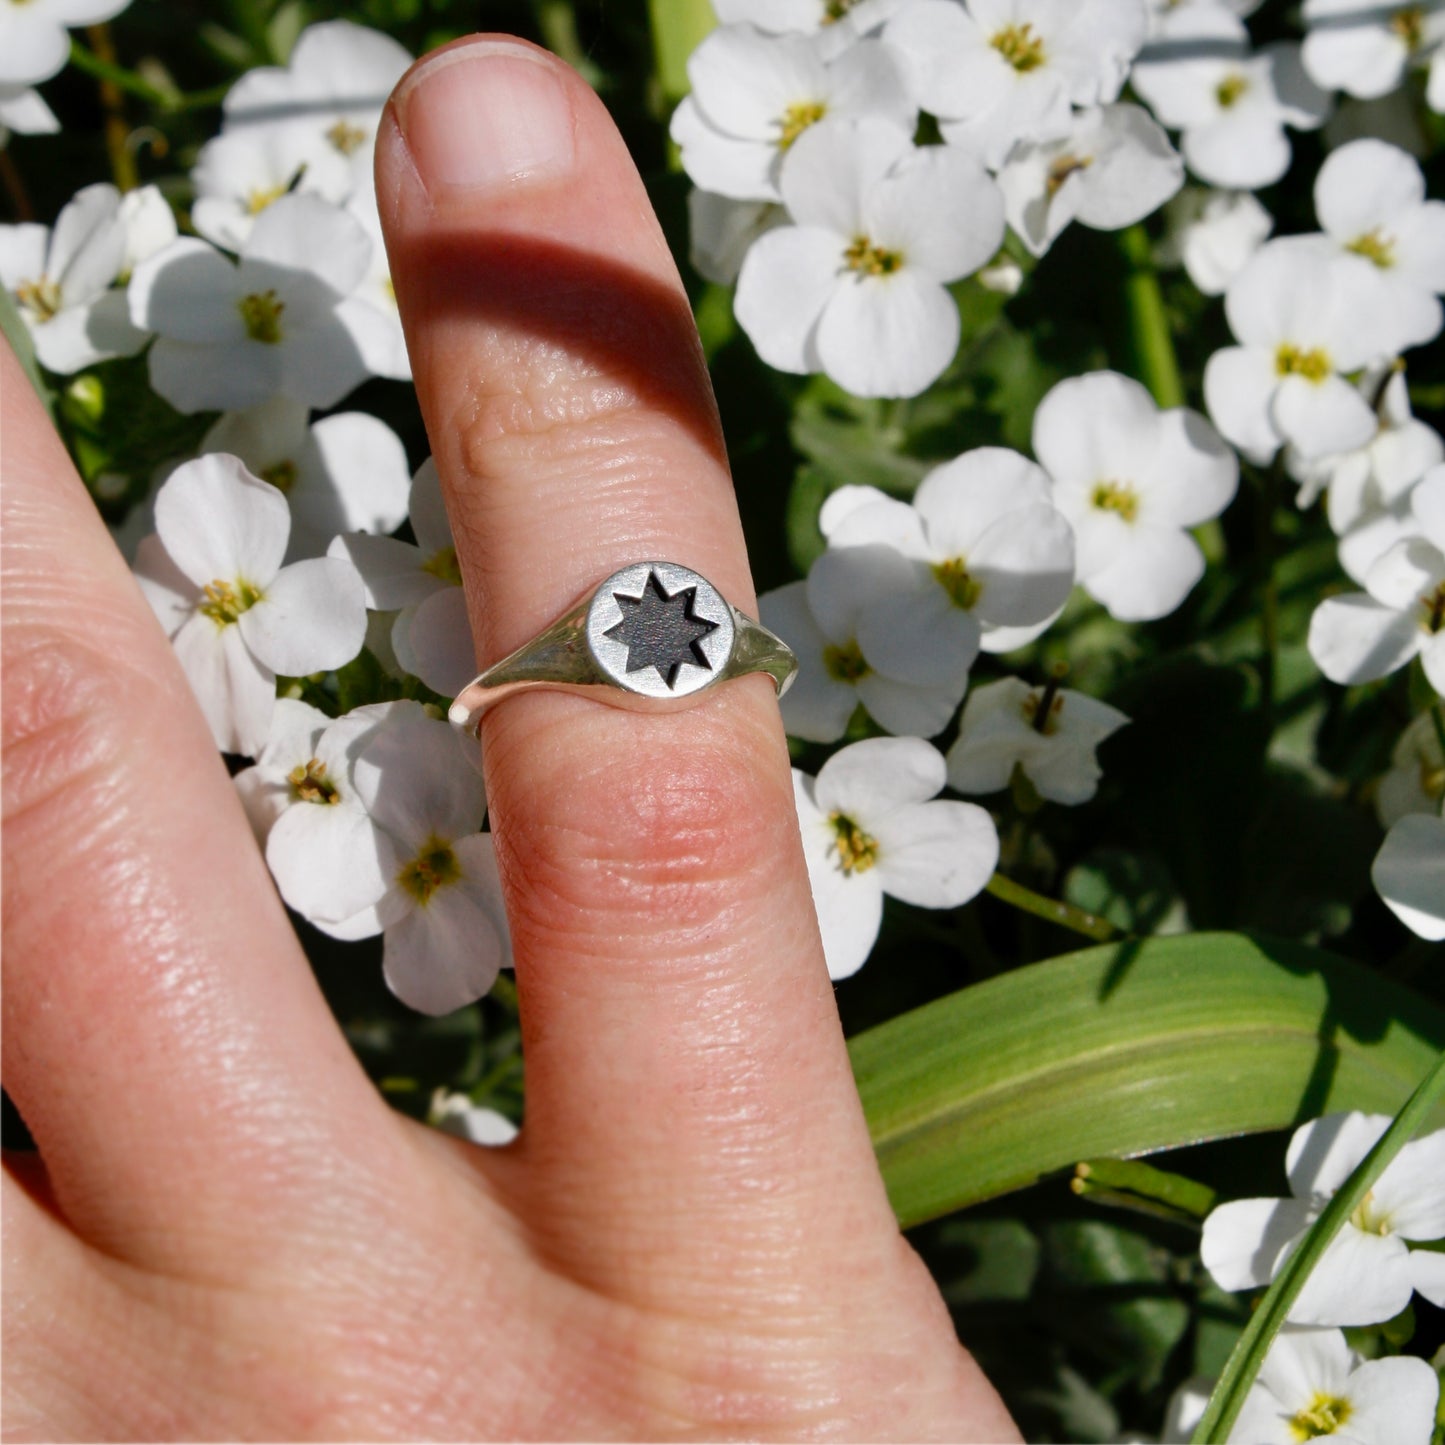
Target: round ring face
(660,630)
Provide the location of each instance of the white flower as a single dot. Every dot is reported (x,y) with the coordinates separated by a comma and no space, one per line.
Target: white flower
(720,230)
(1380,472)
(61,281)
(824,620)
(235,615)
(1213,233)
(150,226)
(265,787)
(33,42)
(990,554)
(239,174)
(370,313)
(456,1114)
(1368,498)
(1114,167)
(1132,480)
(319,839)
(870,829)
(1200,77)
(1306,318)
(1415,782)
(432,636)
(997,72)
(1365,48)
(331,90)
(345,473)
(1050,733)
(1409,874)
(1369,1272)
(444,924)
(1370,199)
(857,287)
(1311,1386)
(232,336)
(753,96)
(24,110)
(1367,635)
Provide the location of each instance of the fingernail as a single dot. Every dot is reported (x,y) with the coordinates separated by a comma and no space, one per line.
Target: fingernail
(485,115)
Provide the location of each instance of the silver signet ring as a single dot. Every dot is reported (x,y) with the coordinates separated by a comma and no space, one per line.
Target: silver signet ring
(652,636)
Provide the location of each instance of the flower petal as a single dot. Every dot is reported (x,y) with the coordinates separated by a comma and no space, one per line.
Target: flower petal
(1354,639)
(936,855)
(871,779)
(1409,874)
(849,905)
(1243,1240)
(785,282)
(219,523)
(236,693)
(312,618)
(888,335)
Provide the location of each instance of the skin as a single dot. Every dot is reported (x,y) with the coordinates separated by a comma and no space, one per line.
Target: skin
(227,1233)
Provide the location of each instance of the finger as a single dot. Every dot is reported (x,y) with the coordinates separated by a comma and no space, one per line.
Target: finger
(163,1036)
(686,1075)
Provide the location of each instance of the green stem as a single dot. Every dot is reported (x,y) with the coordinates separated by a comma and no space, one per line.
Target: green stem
(89,63)
(169,101)
(1143,1182)
(1265,550)
(1150,341)
(1051,909)
(678,28)
(1437,717)
(112,102)
(1248,1354)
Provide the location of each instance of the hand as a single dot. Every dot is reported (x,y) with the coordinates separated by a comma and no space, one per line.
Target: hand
(228,1233)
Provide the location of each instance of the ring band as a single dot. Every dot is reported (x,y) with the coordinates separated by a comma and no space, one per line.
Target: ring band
(648,637)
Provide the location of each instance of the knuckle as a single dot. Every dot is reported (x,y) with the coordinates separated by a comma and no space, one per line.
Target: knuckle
(58,730)
(659,842)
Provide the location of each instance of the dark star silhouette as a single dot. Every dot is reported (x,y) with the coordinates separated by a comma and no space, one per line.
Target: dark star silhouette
(661,631)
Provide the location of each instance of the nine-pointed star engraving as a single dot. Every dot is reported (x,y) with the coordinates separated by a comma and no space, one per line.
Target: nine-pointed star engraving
(661,631)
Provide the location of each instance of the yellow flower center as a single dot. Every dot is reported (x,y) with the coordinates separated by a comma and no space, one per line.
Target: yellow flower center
(260,198)
(1020,47)
(1374,247)
(310,783)
(835,10)
(261,313)
(1230,89)
(442,564)
(40,297)
(1322,1416)
(870,260)
(281,475)
(953,576)
(226,601)
(857,851)
(1313,363)
(345,137)
(1433,607)
(1042,709)
(1368,1219)
(1062,168)
(845,663)
(434,867)
(797,118)
(1409,25)
(1117,497)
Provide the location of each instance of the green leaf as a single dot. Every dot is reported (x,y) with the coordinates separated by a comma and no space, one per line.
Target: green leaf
(1124,1049)
(1239,1374)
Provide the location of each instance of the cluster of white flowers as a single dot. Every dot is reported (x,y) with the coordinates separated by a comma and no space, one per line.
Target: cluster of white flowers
(897,610)
(1312,1384)
(843,233)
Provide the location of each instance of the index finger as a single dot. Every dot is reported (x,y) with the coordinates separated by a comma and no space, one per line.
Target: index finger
(682,1043)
